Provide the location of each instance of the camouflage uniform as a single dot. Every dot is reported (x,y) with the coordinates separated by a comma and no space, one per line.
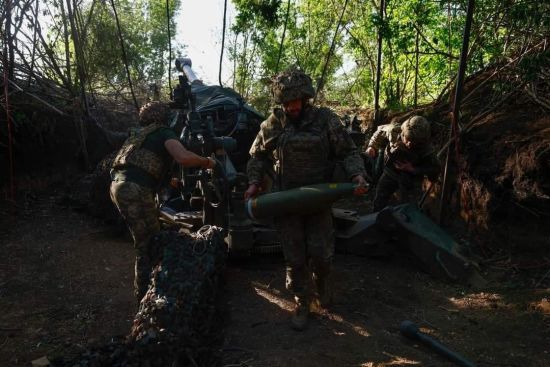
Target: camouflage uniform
(421,156)
(136,173)
(303,153)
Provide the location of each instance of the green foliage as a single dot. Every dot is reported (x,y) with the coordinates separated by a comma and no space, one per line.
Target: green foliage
(144,31)
(422,40)
(500,29)
(256,11)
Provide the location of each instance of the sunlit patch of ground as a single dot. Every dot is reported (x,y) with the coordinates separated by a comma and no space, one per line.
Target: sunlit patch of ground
(274,297)
(542,306)
(395,361)
(480,301)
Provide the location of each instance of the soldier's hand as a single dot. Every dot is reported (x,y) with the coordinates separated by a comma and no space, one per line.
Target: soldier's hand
(252,191)
(362,185)
(371,152)
(404,166)
(211,163)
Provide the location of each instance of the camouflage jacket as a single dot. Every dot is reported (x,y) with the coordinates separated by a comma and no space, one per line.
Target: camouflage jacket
(138,163)
(383,135)
(305,152)
(423,158)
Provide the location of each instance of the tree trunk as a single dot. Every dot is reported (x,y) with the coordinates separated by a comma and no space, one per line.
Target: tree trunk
(378,68)
(416,70)
(455,114)
(124,57)
(9,40)
(6,66)
(235,59)
(283,37)
(82,78)
(67,46)
(35,30)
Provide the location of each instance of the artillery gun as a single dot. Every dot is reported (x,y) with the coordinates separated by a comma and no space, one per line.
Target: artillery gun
(214,121)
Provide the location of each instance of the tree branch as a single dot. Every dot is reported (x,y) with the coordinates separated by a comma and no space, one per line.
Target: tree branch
(438,52)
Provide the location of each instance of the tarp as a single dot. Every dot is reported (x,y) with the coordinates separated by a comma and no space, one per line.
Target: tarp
(213,97)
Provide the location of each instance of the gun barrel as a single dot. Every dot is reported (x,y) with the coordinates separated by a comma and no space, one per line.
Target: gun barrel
(184,64)
(301,200)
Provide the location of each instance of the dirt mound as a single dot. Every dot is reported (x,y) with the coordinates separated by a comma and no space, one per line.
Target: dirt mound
(505,179)
(501,188)
(46,143)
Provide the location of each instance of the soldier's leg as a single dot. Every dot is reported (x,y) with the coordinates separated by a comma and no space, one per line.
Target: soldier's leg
(384,190)
(320,250)
(407,190)
(292,235)
(138,208)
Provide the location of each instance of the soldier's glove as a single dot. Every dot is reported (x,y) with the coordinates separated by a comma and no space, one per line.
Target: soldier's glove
(362,185)
(252,191)
(371,152)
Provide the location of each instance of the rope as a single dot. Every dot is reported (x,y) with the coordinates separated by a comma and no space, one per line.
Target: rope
(283,37)
(321,81)
(169,44)
(223,42)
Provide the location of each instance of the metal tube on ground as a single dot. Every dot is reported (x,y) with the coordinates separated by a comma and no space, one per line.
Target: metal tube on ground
(411,331)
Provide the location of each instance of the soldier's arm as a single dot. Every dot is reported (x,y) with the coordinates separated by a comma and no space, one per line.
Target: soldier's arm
(260,157)
(379,139)
(185,157)
(344,148)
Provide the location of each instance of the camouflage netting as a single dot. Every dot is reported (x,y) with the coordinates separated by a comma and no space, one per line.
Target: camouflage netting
(178,323)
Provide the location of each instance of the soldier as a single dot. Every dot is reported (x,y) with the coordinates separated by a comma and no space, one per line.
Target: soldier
(136,174)
(301,142)
(408,157)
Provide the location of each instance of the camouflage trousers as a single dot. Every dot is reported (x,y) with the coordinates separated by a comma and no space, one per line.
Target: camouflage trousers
(137,206)
(388,185)
(308,247)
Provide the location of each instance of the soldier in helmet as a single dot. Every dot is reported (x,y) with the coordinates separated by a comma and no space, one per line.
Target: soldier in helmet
(136,174)
(408,157)
(300,141)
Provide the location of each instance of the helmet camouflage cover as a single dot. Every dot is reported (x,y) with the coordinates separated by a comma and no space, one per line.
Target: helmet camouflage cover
(154,112)
(416,129)
(291,84)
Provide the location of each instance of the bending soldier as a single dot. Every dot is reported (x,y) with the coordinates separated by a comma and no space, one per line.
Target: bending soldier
(136,174)
(408,157)
(301,142)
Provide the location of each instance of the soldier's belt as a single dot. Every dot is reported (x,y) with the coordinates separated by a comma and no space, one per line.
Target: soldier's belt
(138,177)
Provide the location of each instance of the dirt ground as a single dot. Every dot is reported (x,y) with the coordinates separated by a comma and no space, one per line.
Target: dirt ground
(66,284)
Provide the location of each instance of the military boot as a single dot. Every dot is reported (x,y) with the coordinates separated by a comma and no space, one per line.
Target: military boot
(300,315)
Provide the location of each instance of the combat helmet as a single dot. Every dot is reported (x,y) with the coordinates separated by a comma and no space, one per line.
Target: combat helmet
(291,84)
(416,129)
(154,112)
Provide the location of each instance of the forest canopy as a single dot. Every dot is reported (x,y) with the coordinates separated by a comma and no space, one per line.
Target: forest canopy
(118,46)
